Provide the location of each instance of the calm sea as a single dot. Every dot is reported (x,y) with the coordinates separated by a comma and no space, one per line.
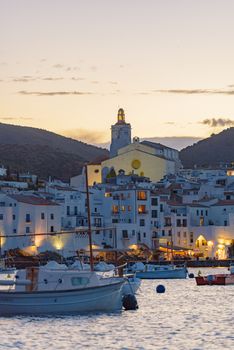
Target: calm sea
(185,317)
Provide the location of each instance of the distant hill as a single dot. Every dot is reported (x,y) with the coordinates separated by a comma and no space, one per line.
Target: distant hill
(44,153)
(212,151)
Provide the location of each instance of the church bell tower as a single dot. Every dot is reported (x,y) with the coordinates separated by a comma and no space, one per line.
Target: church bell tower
(120,134)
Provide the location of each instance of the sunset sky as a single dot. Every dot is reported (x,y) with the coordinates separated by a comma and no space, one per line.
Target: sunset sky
(68,65)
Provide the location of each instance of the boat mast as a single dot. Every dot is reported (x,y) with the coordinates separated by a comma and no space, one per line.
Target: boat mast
(89,219)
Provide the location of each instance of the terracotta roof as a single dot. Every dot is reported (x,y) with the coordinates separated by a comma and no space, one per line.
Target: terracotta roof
(32,200)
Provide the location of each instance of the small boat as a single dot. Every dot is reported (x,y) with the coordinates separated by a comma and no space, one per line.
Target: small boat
(46,290)
(162,272)
(131,285)
(221,279)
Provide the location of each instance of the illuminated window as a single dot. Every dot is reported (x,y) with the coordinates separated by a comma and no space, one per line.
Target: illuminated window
(115,209)
(141,209)
(123,207)
(107,194)
(129,208)
(141,195)
(201,221)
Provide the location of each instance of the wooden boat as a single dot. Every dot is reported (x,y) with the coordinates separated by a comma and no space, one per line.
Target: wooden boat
(217,279)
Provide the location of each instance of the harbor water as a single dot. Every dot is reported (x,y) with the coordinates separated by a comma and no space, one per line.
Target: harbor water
(184,317)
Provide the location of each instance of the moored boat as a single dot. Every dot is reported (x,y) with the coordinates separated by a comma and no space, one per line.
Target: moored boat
(221,279)
(162,272)
(38,291)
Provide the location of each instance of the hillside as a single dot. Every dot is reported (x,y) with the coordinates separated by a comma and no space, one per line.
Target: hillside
(44,153)
(212,151)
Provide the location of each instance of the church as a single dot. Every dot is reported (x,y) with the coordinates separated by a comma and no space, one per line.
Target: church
(149,159)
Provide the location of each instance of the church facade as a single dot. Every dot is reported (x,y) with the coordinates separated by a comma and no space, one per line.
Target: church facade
(146,158)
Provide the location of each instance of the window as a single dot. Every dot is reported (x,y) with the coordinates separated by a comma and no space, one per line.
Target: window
(201,212)
(125,233)
(154,201)
(75,210)
(154,213)
(178,234)
(122,207)
(115,209)
(51,228)
(141,195)
(197,212)
(42,216)
(115,221)
(14,230)
(13,217)
(161,208)
(225,222)
(27,229)
(184,223)
(141,209)
(142,222)
(1,216)
(201,221)
(79,281)
(68,210)
(133,232)
(144,234)
(191,237)
(129,208)
(163,232)
(27,219)
(178,222)
(185,234)
(52,216)
(95,210)
(206,212)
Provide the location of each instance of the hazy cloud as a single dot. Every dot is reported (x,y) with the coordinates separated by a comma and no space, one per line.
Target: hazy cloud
(54,93)
(94,68)
(15,118)
(113,82)
(94,137)
(58,65)
(27,78)
(77,78)
(196,91)
(52,78)
(212,122)
(170,123)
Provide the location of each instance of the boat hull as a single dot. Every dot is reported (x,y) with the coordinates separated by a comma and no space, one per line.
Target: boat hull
(131,286)
(221,280)
(105,298)
(178,273)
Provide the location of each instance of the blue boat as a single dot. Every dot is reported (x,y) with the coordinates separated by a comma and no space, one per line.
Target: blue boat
(162,272)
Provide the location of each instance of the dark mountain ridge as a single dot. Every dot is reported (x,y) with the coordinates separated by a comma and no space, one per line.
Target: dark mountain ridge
(43,152)
(210,152)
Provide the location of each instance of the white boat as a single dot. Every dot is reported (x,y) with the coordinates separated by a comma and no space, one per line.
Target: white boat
(131,285)
(161,272)
(40,291)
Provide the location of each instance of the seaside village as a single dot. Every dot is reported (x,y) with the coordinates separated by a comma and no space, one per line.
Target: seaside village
(143,205)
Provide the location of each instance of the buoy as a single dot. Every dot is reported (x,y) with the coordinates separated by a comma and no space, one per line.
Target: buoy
(129,302)
(160,289)
(191,275)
